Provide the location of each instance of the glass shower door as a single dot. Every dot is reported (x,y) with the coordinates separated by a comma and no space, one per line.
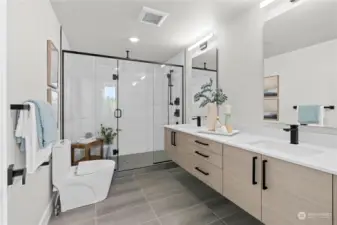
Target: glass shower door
(90,98)
(168,105)
(135,100)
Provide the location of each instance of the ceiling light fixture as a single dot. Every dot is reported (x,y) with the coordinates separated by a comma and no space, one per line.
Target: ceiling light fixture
(143,77)
(201,41)
(134,83)
(266,3)
(134,39)
(162,66)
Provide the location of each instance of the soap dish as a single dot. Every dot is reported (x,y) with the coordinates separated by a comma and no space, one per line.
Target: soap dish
(219,132)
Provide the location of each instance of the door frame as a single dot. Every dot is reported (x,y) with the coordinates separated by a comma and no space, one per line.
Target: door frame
(3,112)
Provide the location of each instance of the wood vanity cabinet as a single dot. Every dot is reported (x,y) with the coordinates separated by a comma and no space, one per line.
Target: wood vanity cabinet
(277,192)
(295,195)
(242,179)
(171,143)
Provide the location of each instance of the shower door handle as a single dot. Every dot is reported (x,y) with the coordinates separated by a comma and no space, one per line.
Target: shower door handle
(118,113)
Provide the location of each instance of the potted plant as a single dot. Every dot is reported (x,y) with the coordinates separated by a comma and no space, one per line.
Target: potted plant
(211,98)
(108,135)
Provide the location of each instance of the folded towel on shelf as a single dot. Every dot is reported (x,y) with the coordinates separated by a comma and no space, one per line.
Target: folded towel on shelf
(311,114)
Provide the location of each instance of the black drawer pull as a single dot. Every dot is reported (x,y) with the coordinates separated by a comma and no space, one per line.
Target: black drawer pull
(201,171)
(198,153)
(254,170)
(264,186)
(201,143)
(174,138)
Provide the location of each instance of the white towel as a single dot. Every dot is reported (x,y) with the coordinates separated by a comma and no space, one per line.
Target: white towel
(26,128)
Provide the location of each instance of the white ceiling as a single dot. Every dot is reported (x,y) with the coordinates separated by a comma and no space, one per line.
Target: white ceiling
(313,22)
(104,26)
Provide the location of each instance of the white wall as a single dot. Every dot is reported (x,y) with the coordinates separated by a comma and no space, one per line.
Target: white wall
(30,24)
(241,66)
(307,76)
(3,111)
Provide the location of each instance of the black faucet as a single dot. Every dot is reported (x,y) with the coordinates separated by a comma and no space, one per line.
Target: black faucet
(198,118)
(293,134)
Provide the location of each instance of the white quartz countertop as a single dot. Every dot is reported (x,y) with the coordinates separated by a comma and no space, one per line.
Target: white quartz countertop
(325,160)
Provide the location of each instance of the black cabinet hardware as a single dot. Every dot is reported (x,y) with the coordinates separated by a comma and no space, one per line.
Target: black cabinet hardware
(201,143)
(173,138)
(201,171)
(254,171)
(205,156)
(264,163)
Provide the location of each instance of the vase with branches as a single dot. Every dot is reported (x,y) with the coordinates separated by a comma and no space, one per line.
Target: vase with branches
(209,95)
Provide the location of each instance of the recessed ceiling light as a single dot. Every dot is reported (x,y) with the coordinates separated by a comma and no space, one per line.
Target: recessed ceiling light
(143,77)
(134,39)
(134,83)
(162,66)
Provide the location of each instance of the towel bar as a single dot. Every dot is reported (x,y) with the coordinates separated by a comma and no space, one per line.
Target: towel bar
(11,173)
(20,107)
(331,107)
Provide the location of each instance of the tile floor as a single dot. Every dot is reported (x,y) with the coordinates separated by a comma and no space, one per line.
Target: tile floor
(162,197)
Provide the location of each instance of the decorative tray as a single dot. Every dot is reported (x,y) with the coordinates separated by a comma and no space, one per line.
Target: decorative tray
(219,132)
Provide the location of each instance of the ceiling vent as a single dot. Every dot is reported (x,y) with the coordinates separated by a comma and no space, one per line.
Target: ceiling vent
(152,16)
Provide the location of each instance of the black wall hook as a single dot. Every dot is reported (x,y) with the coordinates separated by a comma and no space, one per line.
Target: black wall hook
(20,107)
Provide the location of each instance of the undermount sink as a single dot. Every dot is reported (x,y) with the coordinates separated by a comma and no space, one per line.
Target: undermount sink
(287,148)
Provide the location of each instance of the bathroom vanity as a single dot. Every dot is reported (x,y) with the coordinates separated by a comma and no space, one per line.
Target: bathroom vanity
(274,181)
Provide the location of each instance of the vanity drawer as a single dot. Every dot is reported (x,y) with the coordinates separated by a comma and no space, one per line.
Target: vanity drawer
(205,154)
(203,144)
(207,172)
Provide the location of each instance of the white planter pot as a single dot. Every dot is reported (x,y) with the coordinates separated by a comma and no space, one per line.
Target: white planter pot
(107,151)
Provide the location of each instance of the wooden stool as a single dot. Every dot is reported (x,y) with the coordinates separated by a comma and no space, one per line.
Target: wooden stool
(87,148)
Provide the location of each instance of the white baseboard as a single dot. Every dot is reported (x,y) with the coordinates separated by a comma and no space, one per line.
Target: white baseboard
(48,211)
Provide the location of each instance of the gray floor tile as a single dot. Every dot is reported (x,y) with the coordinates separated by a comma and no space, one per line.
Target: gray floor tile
(199,215)
(222,207)
(124,193)
(241,218)
(75,216)
(58,221)
(203,192)
(133,161)
(161,187)
(153,222)
(152,178)
(174,203)
(219,222)
(128,216)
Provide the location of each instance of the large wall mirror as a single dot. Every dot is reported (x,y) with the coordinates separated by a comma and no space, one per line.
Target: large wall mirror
(300,65)
(204,70)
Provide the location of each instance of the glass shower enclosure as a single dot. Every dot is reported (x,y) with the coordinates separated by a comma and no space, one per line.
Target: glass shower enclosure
(136,98)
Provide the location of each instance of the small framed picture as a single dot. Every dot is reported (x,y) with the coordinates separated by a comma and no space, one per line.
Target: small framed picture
(53,99)
(52,65)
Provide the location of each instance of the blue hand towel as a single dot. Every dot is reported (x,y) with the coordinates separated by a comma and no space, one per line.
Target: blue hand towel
(46,125)
(309,114)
